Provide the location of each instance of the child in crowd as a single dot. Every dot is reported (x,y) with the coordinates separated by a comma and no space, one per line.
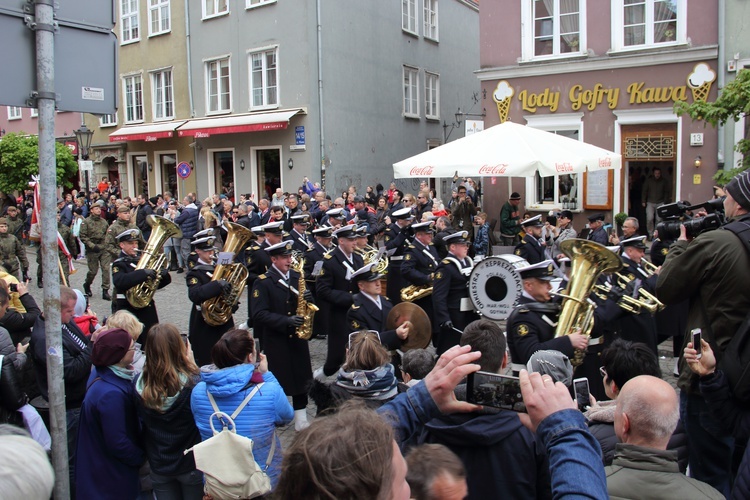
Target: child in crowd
(482,238)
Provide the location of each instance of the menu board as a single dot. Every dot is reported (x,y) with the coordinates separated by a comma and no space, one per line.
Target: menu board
(598,189)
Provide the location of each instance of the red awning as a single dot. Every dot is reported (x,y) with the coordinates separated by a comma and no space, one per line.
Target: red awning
(237,124)
(148,133)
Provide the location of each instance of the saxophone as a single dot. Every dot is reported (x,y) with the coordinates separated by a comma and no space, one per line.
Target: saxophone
(218,310)
(415,292)
(304,308)
(152,257)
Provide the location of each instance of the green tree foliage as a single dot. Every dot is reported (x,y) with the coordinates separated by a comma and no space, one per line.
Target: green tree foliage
(733,103)
(19,160)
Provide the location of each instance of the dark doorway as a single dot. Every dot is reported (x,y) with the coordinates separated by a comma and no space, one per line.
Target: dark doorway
(269,171)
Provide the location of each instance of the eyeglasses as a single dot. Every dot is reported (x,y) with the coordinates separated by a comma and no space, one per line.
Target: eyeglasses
(602,372)
(364,334)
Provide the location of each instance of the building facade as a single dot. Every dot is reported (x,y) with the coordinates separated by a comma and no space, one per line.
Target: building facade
(609,74)
(734,55)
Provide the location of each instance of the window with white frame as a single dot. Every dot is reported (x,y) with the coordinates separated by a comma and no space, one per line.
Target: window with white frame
(213,8)
(264,84)
(648,23)
(159,17)
(163,99)
(133,95)
(34,112)
(411,92)
(129,21)
(431,95)
(556,191)
(256,3)
(108,120)
(553,28)
(409,16)
(14,113)
(218,91)
(431,19)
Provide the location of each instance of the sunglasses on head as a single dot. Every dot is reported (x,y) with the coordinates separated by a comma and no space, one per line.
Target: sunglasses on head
(365,334)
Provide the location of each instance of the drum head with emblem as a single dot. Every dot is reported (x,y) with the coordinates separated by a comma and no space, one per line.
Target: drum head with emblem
(495,285)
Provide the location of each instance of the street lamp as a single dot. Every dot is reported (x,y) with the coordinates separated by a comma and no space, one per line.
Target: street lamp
(83,137)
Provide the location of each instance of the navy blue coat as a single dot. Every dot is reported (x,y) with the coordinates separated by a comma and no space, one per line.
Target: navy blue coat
(188,221)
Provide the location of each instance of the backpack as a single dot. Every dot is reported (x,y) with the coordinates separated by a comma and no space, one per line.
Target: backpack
(735,360)
(226,458)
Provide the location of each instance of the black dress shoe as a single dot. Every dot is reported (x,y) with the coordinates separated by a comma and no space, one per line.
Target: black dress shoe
(105,295)
(180,270)
(87,290)
(39,283)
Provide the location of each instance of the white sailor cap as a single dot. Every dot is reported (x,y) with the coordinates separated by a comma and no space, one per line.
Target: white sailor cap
(204,233)
(402,213)
(348,232)
(206,243)
(323,232)
(423,227)
(282,248)
(128,235)
(274,227)
(336,213)
(366,273)
(457,237)
(636,242)
(535,221)
(542,270)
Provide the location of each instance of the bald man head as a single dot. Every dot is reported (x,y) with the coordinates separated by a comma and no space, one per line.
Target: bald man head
(647,412)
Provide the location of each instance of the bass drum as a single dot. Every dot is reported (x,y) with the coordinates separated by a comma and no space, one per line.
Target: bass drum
(495,285)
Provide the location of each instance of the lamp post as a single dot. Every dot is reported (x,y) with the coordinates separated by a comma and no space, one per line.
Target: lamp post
(83,137)
(459,116)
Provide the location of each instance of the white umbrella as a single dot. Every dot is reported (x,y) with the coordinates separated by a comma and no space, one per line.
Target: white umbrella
(508,150)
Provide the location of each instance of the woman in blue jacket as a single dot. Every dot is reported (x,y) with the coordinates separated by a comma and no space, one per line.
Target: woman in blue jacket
(229,380)
(109,451)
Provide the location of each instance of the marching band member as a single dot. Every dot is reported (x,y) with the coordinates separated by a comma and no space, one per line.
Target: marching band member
(192,256)
(125,276)
(369,311)
(298,234)
(638,327)
(529,248)
(275,295)
(396,243)
(450,293)
(258,263)
(362,237)
(201,288)
(334,289)
(419,266)
(323,237)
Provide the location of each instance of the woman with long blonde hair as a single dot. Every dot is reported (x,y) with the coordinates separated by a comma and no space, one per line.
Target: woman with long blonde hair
(164,390)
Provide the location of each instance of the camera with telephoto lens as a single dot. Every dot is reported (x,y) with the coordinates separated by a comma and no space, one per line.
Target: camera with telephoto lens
(677,214)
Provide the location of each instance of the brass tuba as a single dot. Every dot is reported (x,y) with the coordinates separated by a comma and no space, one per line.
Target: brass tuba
(218,310)
(304,308)
(588,260)
(152,257)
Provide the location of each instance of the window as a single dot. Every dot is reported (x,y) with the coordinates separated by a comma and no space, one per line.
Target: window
(129,21)
(108,120)
(552,28)
(159,17)
(411,92)
(14,112)
(213,8)
(561,191)
(249,4)
(431,19)
(34,112)
(264,87)
(161,83)
(647,23)
(133,95)
(409,16)
(431,95)
(217,83)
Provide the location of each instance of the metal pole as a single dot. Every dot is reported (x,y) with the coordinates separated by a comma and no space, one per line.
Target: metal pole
(45,55)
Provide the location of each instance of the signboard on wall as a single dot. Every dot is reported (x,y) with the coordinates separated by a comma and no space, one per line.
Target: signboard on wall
(598,189)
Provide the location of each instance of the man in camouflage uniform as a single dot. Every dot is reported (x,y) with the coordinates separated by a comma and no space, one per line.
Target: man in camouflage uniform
(120,225)
(15,223)
(70,241)
(11,252)
(92,234)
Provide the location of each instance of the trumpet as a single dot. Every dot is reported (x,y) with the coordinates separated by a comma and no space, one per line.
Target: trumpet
(649,267)
(642,300)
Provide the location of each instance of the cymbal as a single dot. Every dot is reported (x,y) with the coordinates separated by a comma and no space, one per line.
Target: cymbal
(421,331)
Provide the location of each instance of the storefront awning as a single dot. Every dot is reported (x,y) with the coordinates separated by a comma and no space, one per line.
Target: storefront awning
(148,133)
(237,124)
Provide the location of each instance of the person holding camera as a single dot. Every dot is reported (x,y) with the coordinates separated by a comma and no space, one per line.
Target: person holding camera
(562,231)
(711,271)
(463,211)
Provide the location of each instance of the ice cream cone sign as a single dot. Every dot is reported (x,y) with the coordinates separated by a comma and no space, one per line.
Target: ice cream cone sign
(700,81)
(502,96)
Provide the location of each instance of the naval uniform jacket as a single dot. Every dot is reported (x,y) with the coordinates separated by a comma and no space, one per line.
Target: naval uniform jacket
(300,242)
(395,239)
(334,292)
(639,327)
(202,335)
(124,277)
(531,329)
(365,315)
(448,290)
(418,268)
(258,261)
(275,300)
(314,255)
(530,249)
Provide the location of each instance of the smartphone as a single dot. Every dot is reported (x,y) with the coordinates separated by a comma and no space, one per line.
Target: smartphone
(184,338)
(581,389)
(696,334)
(14,287)
(495,390)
